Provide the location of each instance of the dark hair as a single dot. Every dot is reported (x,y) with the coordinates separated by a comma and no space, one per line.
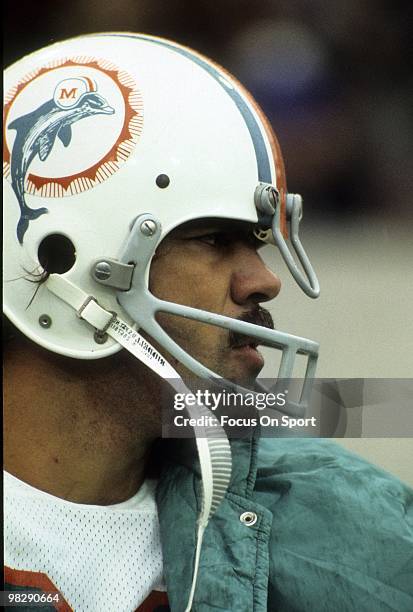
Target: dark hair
(10,332)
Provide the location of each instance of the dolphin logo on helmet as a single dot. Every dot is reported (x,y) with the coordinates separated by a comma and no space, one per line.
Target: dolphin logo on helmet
(73,100)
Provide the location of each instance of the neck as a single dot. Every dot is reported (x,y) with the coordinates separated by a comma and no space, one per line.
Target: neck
(81,431)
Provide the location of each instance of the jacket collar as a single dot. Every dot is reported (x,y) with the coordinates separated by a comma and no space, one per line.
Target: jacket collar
(183,453)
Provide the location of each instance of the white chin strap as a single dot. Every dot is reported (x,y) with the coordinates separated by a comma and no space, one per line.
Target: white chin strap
(213,447)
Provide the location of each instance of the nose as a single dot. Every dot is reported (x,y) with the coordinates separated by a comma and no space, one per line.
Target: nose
(252,281)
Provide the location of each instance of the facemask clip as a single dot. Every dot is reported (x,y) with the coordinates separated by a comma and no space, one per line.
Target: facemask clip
(266,200)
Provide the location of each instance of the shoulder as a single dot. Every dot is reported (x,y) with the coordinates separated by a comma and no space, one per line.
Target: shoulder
(316,466)
(341,527)
(310,455)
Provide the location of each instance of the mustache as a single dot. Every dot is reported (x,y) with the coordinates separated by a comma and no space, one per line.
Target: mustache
(257,316)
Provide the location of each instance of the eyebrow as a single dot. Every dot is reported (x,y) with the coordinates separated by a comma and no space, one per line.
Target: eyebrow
(215,224)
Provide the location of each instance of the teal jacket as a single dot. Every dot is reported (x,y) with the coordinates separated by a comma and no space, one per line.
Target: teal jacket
(333,533)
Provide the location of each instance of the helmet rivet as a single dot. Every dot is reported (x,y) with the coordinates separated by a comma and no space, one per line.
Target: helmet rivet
(148,227)
(102,270)
(45,321)
(100,337)
(162,181)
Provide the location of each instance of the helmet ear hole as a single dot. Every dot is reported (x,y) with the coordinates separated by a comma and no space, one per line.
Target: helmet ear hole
(56,254)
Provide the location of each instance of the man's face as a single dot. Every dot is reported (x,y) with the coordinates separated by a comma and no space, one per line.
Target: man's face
(214,265)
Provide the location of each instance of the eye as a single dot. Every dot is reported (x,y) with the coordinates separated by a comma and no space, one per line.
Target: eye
(215,239)
(225,238)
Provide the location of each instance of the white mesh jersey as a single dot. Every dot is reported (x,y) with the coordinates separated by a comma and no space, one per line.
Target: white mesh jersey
(97,557)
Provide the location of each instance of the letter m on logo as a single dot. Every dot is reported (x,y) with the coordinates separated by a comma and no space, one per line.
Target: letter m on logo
(64,93)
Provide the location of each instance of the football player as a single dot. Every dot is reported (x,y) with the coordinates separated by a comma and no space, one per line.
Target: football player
(140,181)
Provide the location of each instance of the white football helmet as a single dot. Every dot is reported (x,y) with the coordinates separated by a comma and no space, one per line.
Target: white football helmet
(111,141)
